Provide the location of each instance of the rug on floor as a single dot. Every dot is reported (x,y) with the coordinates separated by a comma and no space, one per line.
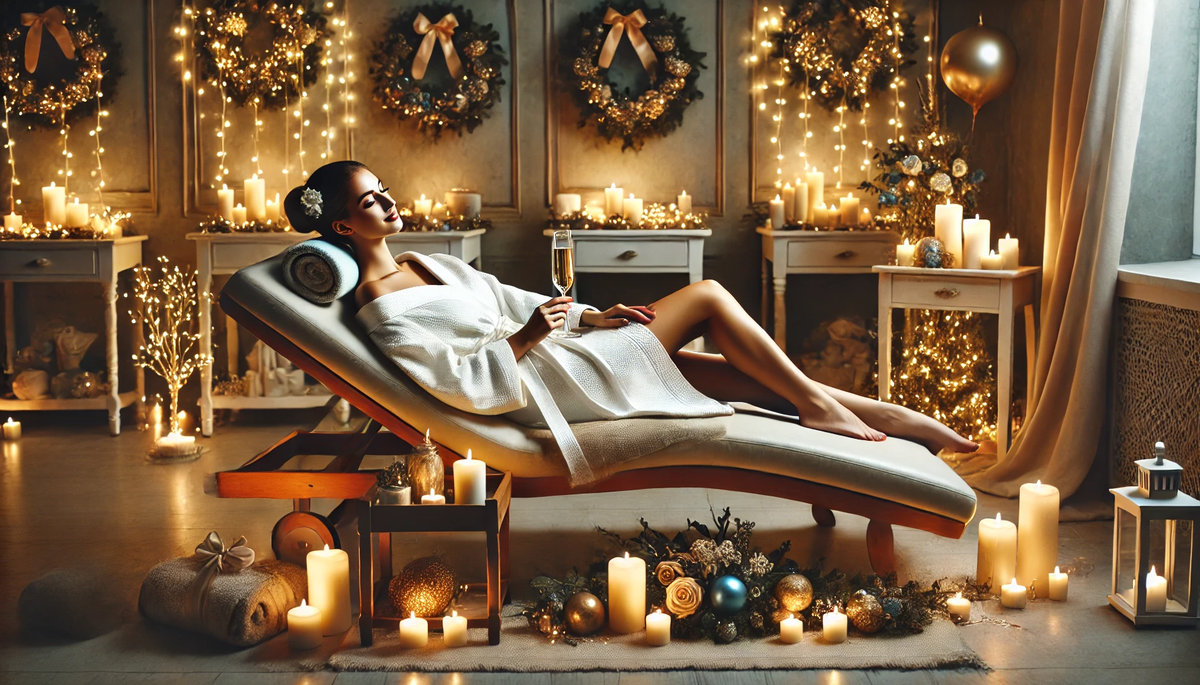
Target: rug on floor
(522,649)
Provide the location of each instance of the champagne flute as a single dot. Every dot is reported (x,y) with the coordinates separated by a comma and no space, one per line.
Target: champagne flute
(562,264)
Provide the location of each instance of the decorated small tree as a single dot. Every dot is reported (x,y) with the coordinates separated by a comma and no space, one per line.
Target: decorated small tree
(169,312)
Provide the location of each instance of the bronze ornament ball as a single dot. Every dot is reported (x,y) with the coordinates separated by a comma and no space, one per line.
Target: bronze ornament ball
(794,592)
(425,586)
(865,612)
(584,614)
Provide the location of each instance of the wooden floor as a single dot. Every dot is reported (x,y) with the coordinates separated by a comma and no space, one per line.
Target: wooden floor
(72,495)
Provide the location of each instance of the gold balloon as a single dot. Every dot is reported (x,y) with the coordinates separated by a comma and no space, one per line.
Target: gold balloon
(979,64)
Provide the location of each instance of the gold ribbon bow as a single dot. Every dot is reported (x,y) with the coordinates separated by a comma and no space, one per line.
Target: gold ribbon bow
(632,24)
(441,32)
(215,558)
(52,19)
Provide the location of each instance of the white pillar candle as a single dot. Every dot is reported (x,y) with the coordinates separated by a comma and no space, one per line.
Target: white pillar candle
(626,594)
(947,227)
(454,630)
(832,215)
(12,429)
(849,210)
(423,206)
(77,214)
(788,193)
(470,481)
(439,210)
(833,626)
(904,254)
(631,208)
(304,627)
(991,262)
(1009,252)
(273,210)
(433,499)
(684,202)
(175,445)
(567,203)
(977,236)
(816,192)
(256,198)
(817,214)
(1037,536)
(800,210)
(778,220)
(12,222)
(329,588)
(239,215)
(1058,586)
(658,628)
(1156,591)
(54,204)
(959,608)
(465,203)
(1013,595)
(791,630)
(414,631)
(613,205)
(225,203)
(997,552)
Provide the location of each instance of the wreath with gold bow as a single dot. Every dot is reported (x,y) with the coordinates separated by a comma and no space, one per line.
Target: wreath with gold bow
(660,40)
(54,62)
(844,48)
(294,38)
(406,86)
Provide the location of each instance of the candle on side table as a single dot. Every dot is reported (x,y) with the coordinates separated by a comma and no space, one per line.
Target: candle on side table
(816,193)
(467,204)
(991,262)
(454,630)
(12,429)
(788,193)
(778,220)
(626,594)
(255,190)
(470,481)
(947,227)
(631,208)
(54,204)
(833,626)
(225,203)
(904,254)
(848,213)
(1037,536)
(433,499)
(1058,586)
(423,206)
(329,588)
(239,215)
(959,608)
(566,203)
(997,552)
(612,201)
(1009,252)
(414,631)
(1013,595)
(800,210)
(977,236)
(77,214)
(658,628)
(791,630)
(304,627)
(12,222)
(684,201)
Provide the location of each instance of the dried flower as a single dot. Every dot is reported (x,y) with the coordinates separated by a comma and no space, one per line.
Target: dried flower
(684,595)
(759,564)
(667,571)
(727,554)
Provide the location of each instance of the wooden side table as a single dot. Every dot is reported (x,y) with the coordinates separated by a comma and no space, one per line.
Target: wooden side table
(88,261)
(490,518)
(225,253)
(964,290)
(816,252)
(637,251)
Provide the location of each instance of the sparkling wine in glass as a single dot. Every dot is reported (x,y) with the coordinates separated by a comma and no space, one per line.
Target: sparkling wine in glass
(562,264)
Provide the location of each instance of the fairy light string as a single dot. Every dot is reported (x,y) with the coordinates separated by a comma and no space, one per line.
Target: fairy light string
(12,163)
(95,133)
(64,131)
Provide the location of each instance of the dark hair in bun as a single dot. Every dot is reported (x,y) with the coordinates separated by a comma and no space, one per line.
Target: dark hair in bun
(332,181)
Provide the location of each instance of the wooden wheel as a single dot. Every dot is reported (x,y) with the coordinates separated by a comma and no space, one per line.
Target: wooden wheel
(301,532)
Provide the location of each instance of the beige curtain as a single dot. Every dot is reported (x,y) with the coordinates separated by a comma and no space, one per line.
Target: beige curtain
(1099,86)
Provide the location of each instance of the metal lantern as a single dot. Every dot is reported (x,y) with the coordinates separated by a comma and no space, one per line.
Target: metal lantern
(1155,551)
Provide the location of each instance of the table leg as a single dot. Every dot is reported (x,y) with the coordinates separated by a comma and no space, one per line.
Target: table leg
(204,300)
(493,574)
(781,313)
(366,579)
(504,564)
(139,371)
(113,401)
(1030,359)
(885,337)
(10,331)
(1004,371)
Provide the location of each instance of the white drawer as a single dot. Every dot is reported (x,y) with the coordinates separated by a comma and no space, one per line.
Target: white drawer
(234,256)
(956,293)
(838,253)
(36,263)
(633,253)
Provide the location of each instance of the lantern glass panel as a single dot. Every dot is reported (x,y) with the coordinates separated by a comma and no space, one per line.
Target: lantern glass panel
(1126,561)
(1179,582)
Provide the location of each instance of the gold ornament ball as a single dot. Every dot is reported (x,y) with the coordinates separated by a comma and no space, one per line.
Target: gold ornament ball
(794,592)
(865,612)
(425,586)
(584,614)
(979,64)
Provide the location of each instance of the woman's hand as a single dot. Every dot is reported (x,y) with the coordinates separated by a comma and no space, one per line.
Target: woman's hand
(545,319)
(617,316)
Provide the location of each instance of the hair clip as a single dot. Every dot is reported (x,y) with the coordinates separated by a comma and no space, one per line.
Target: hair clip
(310,199)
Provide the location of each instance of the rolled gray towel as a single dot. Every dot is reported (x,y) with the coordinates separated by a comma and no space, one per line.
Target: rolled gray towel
(319,271)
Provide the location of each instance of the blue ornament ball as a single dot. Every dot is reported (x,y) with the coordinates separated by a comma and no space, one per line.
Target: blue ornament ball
(727,594)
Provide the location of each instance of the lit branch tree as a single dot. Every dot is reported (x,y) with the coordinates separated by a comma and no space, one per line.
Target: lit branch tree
(169,312)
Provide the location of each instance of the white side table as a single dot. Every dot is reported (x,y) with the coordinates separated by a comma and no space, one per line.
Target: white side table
(816,252)
(964,290)
(637,251)
(225,253)
(88,261)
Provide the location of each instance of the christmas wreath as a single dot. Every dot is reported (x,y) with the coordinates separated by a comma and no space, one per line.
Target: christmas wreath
(661,41)
(54,64)
(847,49)
(294,38)
(400,62)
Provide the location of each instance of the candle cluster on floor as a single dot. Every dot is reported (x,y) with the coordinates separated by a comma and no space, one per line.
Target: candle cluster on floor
(1020,560)
(620,213)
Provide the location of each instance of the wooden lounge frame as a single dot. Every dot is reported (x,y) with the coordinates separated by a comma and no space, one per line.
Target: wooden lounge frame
(255,479)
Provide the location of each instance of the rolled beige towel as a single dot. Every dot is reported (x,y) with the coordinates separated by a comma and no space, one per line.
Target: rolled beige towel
(242,608)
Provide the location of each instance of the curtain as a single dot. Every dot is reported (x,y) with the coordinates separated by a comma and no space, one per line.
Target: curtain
(1099,85)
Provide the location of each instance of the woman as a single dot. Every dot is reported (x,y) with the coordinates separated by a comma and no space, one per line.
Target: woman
(484,347)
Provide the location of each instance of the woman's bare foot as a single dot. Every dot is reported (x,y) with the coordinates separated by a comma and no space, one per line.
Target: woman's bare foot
(903,422)
(822,412)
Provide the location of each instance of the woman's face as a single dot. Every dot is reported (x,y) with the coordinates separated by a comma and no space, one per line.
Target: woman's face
(371,212)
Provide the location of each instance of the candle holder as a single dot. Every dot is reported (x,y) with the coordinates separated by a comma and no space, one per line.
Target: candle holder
(1154,547)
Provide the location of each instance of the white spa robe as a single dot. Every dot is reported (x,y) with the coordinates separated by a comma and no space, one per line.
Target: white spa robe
(451,340)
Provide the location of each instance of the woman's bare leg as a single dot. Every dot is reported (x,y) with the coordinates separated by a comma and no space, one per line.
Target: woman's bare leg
(714,376)
(706,307)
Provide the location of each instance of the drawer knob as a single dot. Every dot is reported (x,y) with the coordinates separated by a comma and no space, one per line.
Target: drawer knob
(42,262)
(846,255)
(627,254)
(946,293)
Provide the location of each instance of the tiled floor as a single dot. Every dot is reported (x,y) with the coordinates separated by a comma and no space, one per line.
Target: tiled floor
(71,495)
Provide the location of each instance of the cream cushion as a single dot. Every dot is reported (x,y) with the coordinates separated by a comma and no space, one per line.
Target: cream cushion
(894,470)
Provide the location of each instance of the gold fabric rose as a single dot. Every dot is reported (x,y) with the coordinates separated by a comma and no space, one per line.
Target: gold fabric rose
(683,596)
(667,571)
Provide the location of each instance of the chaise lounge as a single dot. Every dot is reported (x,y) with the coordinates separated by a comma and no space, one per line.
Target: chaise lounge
(895,482)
